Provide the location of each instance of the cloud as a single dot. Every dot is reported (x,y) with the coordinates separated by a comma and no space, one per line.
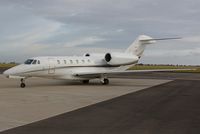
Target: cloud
(84,41)
(120,30)
(192,39)
(45,27)
(173,53)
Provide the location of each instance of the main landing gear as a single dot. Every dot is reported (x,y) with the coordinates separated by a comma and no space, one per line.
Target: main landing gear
(105,81)
(22,85)
(85,81)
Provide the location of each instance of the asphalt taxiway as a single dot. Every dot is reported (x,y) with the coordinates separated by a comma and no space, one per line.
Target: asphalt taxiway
(43,98)
(143,103)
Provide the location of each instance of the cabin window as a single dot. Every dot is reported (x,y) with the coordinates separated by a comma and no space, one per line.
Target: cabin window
(58,61)
(71,61)
(83,61)
(34,62)
(88,60)
(38,62)
(28,62)
(65,61)
(77,61)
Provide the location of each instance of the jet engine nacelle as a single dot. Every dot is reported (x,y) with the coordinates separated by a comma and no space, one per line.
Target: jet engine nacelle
(120,58)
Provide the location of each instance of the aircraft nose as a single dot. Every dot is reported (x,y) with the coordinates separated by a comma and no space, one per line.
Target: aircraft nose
(10,71)
(13,71)
(7,72)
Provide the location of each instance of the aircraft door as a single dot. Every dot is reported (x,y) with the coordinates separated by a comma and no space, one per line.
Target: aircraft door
(51,66)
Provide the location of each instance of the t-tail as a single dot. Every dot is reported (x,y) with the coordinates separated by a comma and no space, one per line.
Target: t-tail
(138,46)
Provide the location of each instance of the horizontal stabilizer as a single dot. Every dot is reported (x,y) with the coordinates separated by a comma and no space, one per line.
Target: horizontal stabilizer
(155,39)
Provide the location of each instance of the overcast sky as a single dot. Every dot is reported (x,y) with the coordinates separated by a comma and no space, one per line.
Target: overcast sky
(73,27)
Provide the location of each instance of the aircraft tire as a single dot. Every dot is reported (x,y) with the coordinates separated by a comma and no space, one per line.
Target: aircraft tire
(22,85)
(105,81)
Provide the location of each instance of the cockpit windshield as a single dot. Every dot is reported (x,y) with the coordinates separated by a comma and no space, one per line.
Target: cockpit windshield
(29,61)
(34,62)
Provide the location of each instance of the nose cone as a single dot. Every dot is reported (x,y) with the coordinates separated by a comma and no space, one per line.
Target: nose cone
(15,71)
(7,72)
(11,71)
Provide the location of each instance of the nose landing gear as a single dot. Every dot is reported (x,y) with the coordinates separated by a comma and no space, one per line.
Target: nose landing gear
(22,85)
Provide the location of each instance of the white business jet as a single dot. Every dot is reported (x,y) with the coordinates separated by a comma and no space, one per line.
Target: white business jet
(83,68)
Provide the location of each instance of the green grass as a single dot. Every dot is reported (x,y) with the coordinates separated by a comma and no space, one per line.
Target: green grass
(152,67)
(7,65)
(139,67)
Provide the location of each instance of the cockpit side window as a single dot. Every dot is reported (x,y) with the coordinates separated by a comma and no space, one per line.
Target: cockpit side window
(38,62)
(28,62)
(34,62)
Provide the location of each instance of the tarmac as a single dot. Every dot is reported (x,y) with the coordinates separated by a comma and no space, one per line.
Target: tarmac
(141,103)
(44,98)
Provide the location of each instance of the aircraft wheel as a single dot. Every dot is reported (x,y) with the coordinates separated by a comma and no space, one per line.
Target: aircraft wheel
(22,85)
(105,82)
(85,81)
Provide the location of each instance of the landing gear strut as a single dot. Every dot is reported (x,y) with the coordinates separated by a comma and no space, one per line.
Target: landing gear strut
(105,81)
(22,85)
(85,81)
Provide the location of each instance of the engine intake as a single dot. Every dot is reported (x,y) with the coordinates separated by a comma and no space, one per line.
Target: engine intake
(108,57)
(120,58)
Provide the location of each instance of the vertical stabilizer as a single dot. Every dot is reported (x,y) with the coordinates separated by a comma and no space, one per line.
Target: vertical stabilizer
(138,46)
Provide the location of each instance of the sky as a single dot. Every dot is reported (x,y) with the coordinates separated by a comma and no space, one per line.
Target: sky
(31,28)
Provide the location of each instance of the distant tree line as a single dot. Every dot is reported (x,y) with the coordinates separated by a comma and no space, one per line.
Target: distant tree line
(9,63)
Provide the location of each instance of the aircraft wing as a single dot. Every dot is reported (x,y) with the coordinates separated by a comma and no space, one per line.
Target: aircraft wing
(105,73)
